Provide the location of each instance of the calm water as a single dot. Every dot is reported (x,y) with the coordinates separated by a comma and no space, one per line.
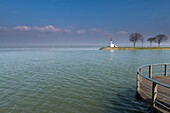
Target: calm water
(76,80)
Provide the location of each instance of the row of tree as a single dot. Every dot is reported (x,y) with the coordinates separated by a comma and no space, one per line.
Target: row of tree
(136,37)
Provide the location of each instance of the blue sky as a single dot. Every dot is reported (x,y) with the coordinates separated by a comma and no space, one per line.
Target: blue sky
(81,22)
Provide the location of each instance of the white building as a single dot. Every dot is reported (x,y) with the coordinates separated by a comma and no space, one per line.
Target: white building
(111,44)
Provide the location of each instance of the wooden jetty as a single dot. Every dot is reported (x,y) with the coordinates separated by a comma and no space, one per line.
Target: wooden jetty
(154,89)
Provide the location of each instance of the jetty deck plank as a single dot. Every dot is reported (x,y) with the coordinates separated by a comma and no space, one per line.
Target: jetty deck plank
(146,92)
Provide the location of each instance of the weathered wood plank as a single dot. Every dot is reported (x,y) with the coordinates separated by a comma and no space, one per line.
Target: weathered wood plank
(146,90)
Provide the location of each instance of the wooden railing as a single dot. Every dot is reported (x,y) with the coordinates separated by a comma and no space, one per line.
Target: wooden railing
(145,75)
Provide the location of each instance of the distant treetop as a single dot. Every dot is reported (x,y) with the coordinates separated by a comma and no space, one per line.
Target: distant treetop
(135,37)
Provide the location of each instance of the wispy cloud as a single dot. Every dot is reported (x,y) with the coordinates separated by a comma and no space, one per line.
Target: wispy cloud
(100,31)
(48,28)
(67,30)
(22,28)
(122,33)
(95,30)
(81,31)
(54,29)
(2,28)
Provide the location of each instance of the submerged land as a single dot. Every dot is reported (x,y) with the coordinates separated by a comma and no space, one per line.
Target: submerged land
(134,48)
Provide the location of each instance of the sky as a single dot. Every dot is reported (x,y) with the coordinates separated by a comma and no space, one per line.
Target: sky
(81,22)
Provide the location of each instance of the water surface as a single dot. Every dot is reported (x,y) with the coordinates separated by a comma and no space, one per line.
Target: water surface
(75,80)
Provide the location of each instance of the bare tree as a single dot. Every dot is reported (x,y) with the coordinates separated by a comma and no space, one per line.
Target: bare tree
(152,39)
(135,37)
(160,38)
(142,39)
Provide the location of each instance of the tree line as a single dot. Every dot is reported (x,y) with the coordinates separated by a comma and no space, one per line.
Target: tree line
(137,37)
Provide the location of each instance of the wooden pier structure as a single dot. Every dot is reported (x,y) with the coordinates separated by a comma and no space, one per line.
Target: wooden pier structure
(153,86)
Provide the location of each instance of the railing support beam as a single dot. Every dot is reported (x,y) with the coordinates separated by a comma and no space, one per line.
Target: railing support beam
(166,70)
(139,78)
(153,87)
(154,95)
(150,71)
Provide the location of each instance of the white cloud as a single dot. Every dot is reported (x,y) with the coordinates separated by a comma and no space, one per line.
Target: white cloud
(100,31)
(48,28)
(81,31)
(23,28)
(67,30)
(95,30)
(122,33)
(53,29)
(107,33)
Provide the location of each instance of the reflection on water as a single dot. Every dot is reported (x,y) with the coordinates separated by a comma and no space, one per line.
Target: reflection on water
(111,55)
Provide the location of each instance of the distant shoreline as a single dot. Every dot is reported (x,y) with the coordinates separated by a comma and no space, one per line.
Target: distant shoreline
(134,48)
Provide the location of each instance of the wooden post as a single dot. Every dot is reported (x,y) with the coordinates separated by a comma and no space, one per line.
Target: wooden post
(140,70)
(154,95)
(166,70)
(138,81)
(150,71)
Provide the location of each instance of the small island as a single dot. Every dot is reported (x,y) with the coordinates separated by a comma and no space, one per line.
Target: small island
(136,37)
(134,48)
